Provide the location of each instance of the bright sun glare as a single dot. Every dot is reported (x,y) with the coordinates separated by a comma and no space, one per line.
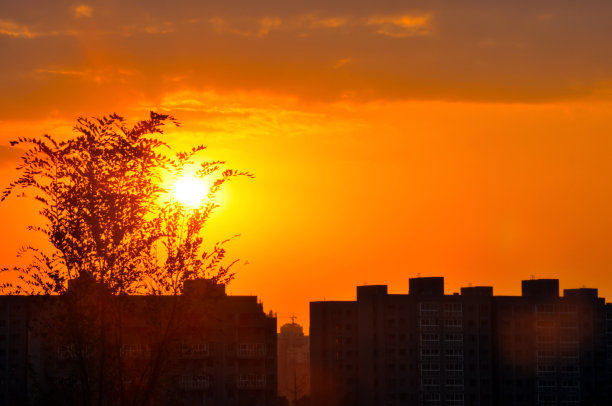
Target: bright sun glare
(190,191)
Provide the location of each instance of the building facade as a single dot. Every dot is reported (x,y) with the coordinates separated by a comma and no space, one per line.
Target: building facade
(219,349)
(472,348)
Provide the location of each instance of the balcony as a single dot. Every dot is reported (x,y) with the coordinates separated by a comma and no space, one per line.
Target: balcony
(251,381)
(194,382)
(251,350)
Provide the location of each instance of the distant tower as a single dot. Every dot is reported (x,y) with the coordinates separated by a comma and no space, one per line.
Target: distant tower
(293,362)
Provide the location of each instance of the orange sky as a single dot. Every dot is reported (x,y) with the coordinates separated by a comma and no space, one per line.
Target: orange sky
(387,141)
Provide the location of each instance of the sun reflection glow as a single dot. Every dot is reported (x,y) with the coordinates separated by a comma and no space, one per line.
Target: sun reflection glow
(190,191)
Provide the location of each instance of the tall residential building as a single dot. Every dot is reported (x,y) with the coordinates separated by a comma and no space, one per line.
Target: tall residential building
(293,363)
(473,348)
(222,352)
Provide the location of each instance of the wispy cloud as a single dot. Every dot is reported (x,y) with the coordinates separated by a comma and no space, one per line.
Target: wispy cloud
(83,10)
(16,30)
(221,25)
(266,24)
(333,22)
(403,25)
(163,28)
(101,75)
(342,62)
(259,28)
(61,72)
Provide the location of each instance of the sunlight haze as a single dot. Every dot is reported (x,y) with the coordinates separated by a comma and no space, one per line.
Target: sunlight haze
(387,139)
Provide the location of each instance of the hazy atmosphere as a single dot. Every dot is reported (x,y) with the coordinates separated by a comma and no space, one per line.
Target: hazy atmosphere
(470,140)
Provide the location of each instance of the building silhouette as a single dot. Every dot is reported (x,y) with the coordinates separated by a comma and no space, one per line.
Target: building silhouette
(222,350)
(293,363)
(473,348)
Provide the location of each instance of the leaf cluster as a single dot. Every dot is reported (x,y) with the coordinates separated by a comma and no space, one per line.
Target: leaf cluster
(106,214)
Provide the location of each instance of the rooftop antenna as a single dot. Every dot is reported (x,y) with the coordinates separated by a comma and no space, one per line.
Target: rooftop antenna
(532,277)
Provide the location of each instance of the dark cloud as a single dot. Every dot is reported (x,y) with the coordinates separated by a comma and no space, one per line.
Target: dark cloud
(60,52)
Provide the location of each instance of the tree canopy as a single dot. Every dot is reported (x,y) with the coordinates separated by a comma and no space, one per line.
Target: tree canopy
(107,215)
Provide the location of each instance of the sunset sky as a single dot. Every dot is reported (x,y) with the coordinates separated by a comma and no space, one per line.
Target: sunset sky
(465,139)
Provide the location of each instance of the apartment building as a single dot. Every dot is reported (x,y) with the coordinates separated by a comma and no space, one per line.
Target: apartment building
(472,348)
(222,351)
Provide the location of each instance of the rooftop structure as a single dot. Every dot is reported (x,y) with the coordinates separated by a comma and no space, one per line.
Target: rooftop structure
(428,348)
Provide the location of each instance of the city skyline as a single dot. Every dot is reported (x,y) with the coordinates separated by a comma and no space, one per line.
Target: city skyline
(387,140)
(474,347)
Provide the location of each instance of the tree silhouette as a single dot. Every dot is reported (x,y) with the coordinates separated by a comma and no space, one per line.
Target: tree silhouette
(115,231)
(107,215)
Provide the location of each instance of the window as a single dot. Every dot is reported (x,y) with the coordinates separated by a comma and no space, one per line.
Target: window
(453,352)
(430,382)
(545,323)
(546,383)
(455,367)
(569,323)
(544,308)
(67,351)
(430,338)
(568,354)
(431,397)
(571,398)
(428,307)
(545,338)
(566,308)
(570,341)
(453,323)
(452,308)
(454,398)
(251,381)
(196,350)
(546,369)
(570,369)
(546,354)
(194,382)
(454,338)
(430,367)
(569,383)
(429,323)
(454,382)
(251,349)
(130,350)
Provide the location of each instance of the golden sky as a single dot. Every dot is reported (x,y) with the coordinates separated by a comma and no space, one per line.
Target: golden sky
(466,139)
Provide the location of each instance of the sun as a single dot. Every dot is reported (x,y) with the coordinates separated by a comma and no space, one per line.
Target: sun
(190,191)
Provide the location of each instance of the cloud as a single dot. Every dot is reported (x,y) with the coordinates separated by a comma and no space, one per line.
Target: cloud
(83,10)
(266,24)
(164,28)
(333,22)
(61,72)
(494,51)
(221,26)
(403,25)
(342,62)
(99,75)
(16,30)
(251,28)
